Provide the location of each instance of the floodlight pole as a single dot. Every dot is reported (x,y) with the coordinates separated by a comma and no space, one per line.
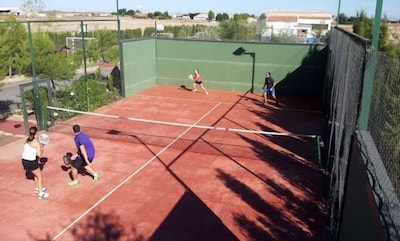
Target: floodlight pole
(338,13)
(241,51)
(119,47)
(83,48)
(377,24)
(253,55)
(84,66)
(36,91)
(118,23)
(371,69)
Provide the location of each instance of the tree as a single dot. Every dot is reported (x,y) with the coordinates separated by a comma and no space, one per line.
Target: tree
(241,17)
(105,38)
(392,50)
(211,15)
(93,51)
(77,58)
(122,11)
(222,17)
(283,37)
(148,31)
(131,12)
(383,34)
(32,7)
(159,15)
(237,29)
(48,62)
(132,33)
(112,54)
(13,35)
(342,18)
(260,26)
(318,29)
(362,25)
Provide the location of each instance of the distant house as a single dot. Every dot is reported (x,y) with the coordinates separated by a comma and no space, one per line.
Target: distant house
(200,16)
(304,27)
(8,11)
(193,16)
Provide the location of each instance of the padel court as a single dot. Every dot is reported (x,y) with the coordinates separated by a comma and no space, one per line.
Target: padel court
(176,165)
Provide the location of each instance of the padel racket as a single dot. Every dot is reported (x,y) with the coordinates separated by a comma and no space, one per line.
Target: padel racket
(44,139)
(190,77)
(67,159)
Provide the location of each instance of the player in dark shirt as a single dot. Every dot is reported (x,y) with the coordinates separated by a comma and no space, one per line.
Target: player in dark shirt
(269,87)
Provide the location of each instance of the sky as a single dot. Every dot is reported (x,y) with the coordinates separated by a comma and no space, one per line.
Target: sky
(350,7)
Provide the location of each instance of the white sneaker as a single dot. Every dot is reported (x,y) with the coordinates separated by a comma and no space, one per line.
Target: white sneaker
(73,183)
(194,90)
(96,177)
(43,195)
(37,190)
(206,93)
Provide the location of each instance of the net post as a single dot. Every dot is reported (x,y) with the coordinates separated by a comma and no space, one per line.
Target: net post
(44,118)
(318,149)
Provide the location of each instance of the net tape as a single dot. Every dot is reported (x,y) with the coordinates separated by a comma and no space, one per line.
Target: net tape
(218,128)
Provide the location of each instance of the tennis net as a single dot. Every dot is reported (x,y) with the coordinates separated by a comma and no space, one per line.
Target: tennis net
(193,137)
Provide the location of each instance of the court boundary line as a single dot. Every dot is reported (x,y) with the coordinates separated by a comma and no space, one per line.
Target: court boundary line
(130,176)
(183,99)
(229,103)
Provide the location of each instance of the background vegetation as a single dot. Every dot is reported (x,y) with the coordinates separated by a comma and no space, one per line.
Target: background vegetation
(103,44)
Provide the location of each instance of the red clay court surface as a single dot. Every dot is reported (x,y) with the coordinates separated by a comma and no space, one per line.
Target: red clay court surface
(161,182)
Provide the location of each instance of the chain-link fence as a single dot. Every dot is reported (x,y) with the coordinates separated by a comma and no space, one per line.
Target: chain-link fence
(384,123)
(352,63)
(345,77)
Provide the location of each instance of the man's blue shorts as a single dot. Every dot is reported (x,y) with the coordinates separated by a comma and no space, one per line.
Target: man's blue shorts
(270,91)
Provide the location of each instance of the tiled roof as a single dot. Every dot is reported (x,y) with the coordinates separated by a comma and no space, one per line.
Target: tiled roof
(60,47)
(281,19)
(293,16)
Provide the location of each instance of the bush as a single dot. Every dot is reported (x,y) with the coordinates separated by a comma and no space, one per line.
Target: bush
(30,97)
(85,94)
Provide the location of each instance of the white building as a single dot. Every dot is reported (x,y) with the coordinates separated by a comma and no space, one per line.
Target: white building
(303,27)
(193,16)
(6,10)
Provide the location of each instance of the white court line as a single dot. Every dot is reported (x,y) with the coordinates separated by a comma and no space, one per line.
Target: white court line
(230,103)
(184,99)
(131,176)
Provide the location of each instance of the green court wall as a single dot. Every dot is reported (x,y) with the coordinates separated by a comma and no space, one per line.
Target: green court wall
(298,69)
(138,69)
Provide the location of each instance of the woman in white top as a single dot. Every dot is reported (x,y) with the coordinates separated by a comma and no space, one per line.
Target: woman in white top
(32,151)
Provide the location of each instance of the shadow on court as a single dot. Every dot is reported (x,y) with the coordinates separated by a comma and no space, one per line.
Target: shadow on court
(190,219)
(42,162)
(99,226)
(184,87)
(177,183)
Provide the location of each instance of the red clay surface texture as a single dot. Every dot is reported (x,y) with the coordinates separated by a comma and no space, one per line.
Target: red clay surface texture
(164,182)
